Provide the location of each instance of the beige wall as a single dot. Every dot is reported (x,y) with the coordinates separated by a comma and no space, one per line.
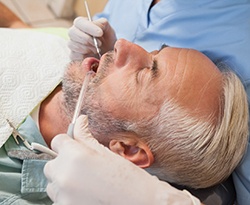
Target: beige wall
(95,6)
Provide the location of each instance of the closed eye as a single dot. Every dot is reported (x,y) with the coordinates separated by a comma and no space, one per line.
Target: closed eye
(147,73)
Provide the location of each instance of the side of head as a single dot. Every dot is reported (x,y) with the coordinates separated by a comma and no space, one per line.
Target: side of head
(196,152)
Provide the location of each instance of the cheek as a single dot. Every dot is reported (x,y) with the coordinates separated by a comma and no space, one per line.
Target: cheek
(127,102)
(119,96)
(120,87)
(75,72)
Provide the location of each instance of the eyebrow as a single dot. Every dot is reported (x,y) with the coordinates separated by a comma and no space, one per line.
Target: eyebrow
(154,68)
(163,46)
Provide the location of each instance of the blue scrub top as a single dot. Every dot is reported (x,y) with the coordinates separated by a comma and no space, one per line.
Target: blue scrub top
(219,29)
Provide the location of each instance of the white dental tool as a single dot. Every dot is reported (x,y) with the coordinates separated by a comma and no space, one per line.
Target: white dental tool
(79,103)
(94,39)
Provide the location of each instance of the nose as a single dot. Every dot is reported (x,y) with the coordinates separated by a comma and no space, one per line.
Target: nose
(126,52)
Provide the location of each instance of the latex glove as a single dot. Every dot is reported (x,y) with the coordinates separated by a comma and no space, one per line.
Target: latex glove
(85,172)
(81,35)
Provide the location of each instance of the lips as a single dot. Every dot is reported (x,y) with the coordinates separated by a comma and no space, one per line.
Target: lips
(90,63)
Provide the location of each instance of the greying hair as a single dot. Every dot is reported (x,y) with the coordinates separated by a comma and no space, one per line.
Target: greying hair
(195,152)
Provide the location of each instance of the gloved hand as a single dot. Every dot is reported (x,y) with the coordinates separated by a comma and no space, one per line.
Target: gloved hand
(81,36)
(85,172)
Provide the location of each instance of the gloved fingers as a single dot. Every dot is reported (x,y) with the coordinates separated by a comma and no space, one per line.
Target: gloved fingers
(78,36)
(48,171)
(81,126)
(81,131)
(62,142)
(83,135)
(88,27)
(52,192)
(75,56)
(81,48)
(102,23)
(59,196)
(55,194)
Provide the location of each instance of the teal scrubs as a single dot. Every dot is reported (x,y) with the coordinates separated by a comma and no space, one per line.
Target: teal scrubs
(22,181)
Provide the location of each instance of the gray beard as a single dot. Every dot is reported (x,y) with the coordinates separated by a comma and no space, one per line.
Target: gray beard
(102,124)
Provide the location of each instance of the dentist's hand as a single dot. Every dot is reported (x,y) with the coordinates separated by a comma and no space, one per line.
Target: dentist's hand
(85,172)
(81,36)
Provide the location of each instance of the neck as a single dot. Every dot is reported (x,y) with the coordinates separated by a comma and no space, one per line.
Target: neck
(52,118)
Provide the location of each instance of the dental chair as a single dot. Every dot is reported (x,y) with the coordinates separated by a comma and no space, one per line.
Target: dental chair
(222,194)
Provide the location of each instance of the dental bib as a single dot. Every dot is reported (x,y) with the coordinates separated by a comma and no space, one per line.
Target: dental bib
(31,66)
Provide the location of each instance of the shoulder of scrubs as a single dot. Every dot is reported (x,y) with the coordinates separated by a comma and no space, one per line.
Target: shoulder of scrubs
(219,29)
(21,174)
(124,23)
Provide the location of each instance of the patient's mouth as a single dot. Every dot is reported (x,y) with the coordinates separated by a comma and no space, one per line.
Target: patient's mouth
(94,66)
(91,64)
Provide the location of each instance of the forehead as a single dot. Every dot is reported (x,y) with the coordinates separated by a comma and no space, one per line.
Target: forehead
(180,54)
(190,78)
(185,65)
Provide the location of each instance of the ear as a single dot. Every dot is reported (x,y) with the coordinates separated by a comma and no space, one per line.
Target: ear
(137,152)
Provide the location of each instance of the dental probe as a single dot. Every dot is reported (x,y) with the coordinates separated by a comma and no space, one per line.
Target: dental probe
(79,103)
(94,38)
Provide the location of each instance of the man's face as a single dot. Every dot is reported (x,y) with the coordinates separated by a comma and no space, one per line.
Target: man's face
(131,84)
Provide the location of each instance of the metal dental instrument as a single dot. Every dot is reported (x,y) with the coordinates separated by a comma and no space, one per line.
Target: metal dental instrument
(79,103)
(17,135)
(33,145)
(94,39)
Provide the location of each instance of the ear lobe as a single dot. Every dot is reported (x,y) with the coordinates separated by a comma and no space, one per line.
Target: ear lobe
(134,151)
